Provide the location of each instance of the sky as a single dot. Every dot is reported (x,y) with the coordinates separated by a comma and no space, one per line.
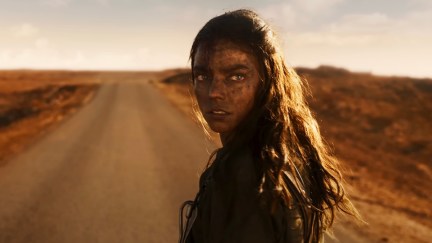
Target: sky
(384,37)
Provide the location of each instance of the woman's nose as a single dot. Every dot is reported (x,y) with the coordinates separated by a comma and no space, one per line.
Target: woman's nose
(217,88)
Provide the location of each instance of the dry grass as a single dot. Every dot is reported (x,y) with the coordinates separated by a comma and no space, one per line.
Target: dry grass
(380,129)
(33,101)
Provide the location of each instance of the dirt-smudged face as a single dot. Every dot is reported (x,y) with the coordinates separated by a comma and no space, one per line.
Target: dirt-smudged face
(226,79)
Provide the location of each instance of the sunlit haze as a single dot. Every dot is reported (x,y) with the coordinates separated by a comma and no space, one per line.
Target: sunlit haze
(386,37)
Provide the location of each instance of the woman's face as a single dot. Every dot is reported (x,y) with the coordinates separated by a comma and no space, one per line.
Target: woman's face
(226,79)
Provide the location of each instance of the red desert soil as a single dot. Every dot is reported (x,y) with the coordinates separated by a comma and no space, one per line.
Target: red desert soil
(379,127)
(33,101)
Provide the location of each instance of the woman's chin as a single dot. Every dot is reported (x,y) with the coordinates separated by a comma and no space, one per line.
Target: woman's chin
(219,128)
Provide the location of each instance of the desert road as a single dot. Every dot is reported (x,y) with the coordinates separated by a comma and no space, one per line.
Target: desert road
(116,171)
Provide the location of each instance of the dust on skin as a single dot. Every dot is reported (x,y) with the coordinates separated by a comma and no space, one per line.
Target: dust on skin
(226,79)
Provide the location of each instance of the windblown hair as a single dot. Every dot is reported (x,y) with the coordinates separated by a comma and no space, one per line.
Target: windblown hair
(280,129)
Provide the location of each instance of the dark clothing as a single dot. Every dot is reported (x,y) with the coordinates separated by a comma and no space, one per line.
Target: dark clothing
(230,209)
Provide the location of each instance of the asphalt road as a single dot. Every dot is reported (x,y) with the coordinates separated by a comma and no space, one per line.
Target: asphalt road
(116,171)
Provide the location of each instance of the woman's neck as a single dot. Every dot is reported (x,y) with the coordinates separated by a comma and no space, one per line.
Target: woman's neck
(224,138)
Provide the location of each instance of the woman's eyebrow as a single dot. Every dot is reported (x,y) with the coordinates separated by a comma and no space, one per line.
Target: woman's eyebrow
(235,67)
(200,68)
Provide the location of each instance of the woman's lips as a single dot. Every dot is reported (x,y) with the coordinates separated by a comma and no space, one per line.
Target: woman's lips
(217,114)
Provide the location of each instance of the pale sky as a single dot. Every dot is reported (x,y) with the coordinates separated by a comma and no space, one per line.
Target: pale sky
(386,37)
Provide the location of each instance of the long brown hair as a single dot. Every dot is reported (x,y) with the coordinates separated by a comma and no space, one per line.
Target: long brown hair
(280,129)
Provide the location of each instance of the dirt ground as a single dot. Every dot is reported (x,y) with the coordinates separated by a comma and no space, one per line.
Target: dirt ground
(34,101)
(379,127)
(31,102)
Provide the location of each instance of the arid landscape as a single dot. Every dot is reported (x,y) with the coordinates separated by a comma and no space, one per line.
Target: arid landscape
(379,127)
(33,101)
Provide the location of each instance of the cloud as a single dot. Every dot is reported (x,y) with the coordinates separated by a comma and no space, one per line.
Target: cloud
(25,30)
(103,2)
(362,23)
(330,39)
(374,42)
(44,56)
(423,3)
(64,3)
(42,43)
(56,3)
(296,14)
(373,29)
(416,22)
(315,6)
(284,13)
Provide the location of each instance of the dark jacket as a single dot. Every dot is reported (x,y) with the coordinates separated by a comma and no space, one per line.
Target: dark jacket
(228,207)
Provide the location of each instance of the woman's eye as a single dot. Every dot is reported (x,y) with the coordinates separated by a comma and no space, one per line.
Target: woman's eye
(201,77)
(237,77)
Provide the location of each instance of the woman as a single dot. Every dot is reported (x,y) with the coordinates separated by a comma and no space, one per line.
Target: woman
(274,179)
